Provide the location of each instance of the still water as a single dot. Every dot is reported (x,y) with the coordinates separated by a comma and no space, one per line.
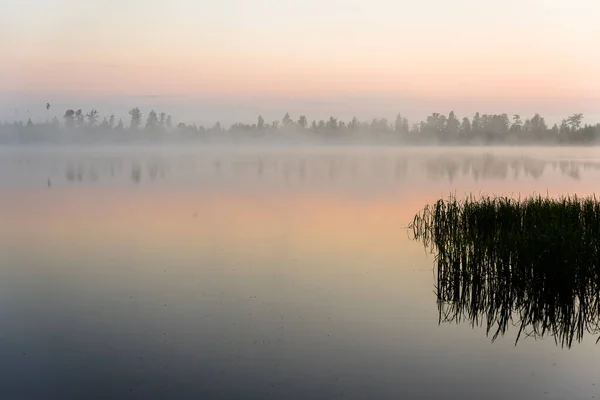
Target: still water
(254,273)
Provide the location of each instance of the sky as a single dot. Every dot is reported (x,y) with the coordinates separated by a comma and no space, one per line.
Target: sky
(231,60)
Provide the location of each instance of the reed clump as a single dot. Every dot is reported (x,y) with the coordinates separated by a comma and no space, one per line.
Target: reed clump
(532,263)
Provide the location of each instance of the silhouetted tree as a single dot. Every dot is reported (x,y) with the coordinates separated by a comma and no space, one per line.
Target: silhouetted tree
(405,126)
(517,125)
(564,128)
(152,121)
(332,124)
(260,123)
(380,125)
(302,122)
(401,125)
(415,129)
(92,117)
(574,121)
(69,119)
(398,123)
(79,118)
(476,125)
(495,125)
(136,118)
(503,123)
(538,126)
(434,125)
(452,125)
(465,127)
(353,125)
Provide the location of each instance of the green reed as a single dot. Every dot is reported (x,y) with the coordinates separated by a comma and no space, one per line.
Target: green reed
(532,263)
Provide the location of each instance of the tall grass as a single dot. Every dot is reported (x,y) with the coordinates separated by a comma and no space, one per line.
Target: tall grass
(532,263)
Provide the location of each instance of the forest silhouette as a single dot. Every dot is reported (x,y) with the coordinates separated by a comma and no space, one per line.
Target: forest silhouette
(435,129)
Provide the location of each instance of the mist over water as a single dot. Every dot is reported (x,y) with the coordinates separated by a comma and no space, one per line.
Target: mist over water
(257,272)
(78,127)
(233,199)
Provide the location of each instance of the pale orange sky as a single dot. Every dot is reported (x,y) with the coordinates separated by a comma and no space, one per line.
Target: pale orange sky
(208,61)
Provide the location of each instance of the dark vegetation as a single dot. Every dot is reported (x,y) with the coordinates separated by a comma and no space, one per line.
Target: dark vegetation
(533,264)
(436,129)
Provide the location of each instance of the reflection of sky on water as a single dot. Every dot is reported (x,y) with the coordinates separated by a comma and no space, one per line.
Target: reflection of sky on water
(202,284)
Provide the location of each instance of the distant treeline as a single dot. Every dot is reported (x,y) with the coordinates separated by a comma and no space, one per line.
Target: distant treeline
(436,128)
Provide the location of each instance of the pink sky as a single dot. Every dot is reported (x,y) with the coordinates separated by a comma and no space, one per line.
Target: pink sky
(271,56)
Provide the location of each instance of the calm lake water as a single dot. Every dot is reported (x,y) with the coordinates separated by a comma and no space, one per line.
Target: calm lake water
(252,273)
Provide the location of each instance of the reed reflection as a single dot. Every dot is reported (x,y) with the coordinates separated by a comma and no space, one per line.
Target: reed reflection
(532,265)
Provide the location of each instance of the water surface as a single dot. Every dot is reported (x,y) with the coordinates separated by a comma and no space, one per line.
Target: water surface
(253,273)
